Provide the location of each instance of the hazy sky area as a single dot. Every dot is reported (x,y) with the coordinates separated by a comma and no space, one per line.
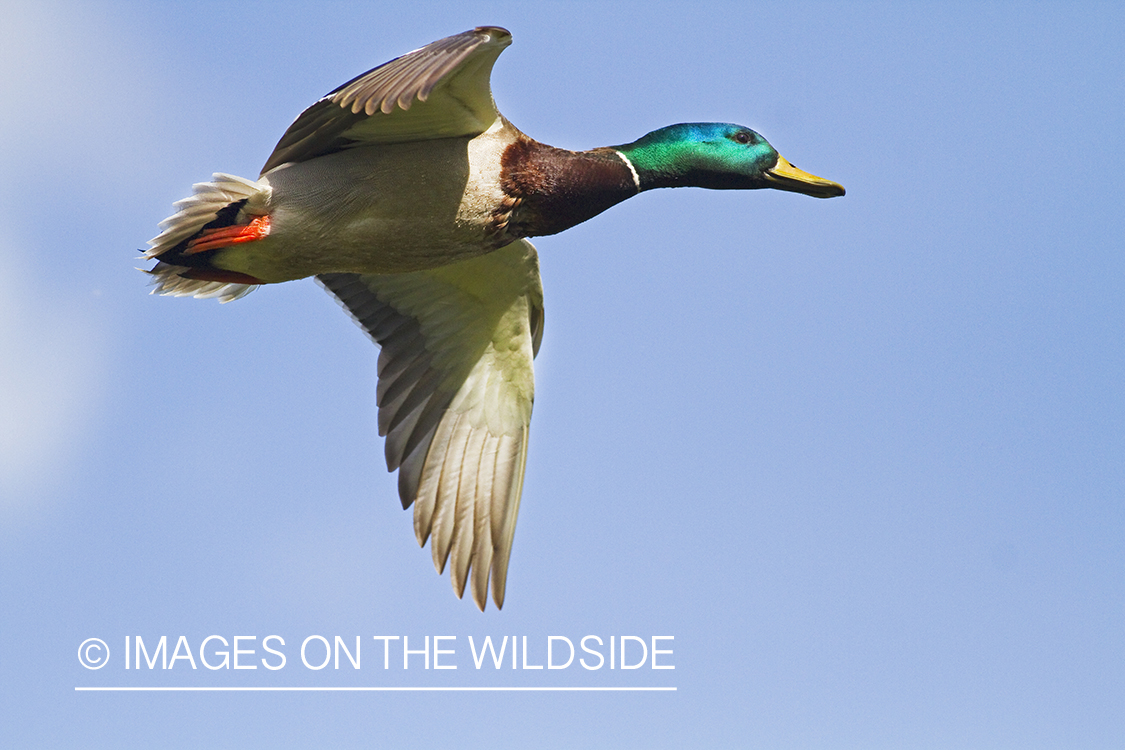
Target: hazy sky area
(863,459)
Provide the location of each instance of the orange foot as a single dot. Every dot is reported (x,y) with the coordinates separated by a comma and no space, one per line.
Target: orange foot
(213,239)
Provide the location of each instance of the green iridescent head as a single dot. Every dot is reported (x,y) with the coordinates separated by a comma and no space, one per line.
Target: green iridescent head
(720,156)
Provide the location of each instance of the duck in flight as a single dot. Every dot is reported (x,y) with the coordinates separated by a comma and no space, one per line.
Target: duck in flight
(410,198)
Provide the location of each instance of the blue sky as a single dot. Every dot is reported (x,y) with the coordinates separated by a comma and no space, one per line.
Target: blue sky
(862,458)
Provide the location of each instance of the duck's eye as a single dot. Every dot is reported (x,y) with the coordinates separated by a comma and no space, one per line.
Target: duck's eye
(743,137)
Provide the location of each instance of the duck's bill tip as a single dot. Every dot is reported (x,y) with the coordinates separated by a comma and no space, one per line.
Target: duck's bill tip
(784,176)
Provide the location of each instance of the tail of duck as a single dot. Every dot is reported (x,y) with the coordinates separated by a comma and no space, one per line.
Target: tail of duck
(212,205)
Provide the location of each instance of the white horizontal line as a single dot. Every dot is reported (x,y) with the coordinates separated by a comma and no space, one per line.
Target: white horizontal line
(368,689)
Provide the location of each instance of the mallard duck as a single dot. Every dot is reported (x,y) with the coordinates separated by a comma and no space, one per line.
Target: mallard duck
(410,198)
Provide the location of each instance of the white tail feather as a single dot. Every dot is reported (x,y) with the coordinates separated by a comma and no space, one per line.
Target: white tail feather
(192,214)
(166,280)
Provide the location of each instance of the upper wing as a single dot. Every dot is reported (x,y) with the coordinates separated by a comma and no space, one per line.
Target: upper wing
(455,393)
(449,79)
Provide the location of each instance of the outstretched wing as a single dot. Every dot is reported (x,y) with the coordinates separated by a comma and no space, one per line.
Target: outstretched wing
(439,91)
(455,392)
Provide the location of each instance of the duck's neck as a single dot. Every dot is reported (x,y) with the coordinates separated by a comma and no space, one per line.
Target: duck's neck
(668,157)
(553,189)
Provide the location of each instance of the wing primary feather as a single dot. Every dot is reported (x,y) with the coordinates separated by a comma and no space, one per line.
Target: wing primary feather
(425,502)
(510,465)
(399,435)
(445,512)
(482,519)
(410,475)
(461,549)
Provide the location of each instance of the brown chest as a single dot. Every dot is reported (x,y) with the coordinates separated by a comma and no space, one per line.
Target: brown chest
(548,190)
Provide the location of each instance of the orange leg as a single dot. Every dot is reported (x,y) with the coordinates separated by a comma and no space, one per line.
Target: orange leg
(213,239)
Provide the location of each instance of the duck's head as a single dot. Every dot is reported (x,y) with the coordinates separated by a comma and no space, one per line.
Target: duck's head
(720,156)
